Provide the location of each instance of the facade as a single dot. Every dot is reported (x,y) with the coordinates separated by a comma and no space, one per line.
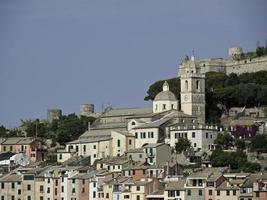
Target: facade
(201,137)
(192,89)
(165,100)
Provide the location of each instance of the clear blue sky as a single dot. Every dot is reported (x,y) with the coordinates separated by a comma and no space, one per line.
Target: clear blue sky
(61,53)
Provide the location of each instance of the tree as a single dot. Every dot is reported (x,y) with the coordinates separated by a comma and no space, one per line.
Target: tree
(240,144)
(259,143)
(71,127)
(183,144)
(3,131)
(250,167)
(224,140)
(260,51)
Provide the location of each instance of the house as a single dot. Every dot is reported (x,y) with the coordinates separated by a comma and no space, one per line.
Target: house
(122,141)
(201,185)
(93,147)
(201,136)
(175,190)
(158,153)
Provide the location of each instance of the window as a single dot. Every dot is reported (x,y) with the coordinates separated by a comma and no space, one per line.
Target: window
(11,148)
(186,85)
(140,155)
(171,193)
(137,188)
(136,135)
(218,193)
(41,198)
(126,196)
(19,192)
(28,187)
(130,142)
(164,106)
(41,188)
(48,190)
(193,134)
(137,197)
(83,190)
(94,185)
(94,194)
(178,192)
(188,192)
(2,185)
(107,195)
(60,156)
(48,180)
(210,192)
(29,198)
(118,143)
(73,190)
(94,146)
(257,194)
(62,188)
(56,182)
(73,180)
(207,135)
(152,134)
(13,185)
(133,123)
(94,155)
(195,144)
(2,197)
(194,182)
(83,181)
(227,192)
(84,148)
(234,192)
(133,172)
(172,106)
(200,192)
(197,85)
(55,191)
(12,197)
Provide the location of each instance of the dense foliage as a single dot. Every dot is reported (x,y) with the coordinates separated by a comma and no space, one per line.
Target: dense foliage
(259,143)
(183,144)
(61,130)
(224,91)
(234,160)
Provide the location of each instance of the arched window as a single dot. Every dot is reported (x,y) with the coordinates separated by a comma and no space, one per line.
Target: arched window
(197,85)
(186,85)
(133,123)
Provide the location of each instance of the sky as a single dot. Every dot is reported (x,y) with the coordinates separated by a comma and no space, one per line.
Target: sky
(63,53)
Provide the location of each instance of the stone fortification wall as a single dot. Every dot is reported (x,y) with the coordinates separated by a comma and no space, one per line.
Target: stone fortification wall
(247,65)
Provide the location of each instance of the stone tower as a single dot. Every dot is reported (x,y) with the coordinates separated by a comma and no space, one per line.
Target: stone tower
(192,89)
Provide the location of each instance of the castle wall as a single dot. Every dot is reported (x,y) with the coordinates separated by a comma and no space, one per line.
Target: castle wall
(247,65)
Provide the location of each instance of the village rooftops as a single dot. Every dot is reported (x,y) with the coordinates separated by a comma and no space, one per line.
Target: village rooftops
(12,140)
(137,150)
(154,124)
(153,145)
(126,112)
(175,185)
(96,132)
(125,133)
(211,174)
(90,140)
(115,160)
(11,178)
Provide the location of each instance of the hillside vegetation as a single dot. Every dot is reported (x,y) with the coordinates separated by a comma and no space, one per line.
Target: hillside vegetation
(223,91)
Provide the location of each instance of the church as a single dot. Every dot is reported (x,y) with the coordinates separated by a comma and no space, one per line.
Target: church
(117,131)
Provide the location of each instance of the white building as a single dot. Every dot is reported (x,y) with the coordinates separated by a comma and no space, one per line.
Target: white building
(201,137)
(165,100)
(92,147)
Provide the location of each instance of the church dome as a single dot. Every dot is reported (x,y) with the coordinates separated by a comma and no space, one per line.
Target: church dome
(165,94)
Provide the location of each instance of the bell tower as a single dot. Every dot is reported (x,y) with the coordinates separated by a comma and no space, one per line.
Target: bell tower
(192,89)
